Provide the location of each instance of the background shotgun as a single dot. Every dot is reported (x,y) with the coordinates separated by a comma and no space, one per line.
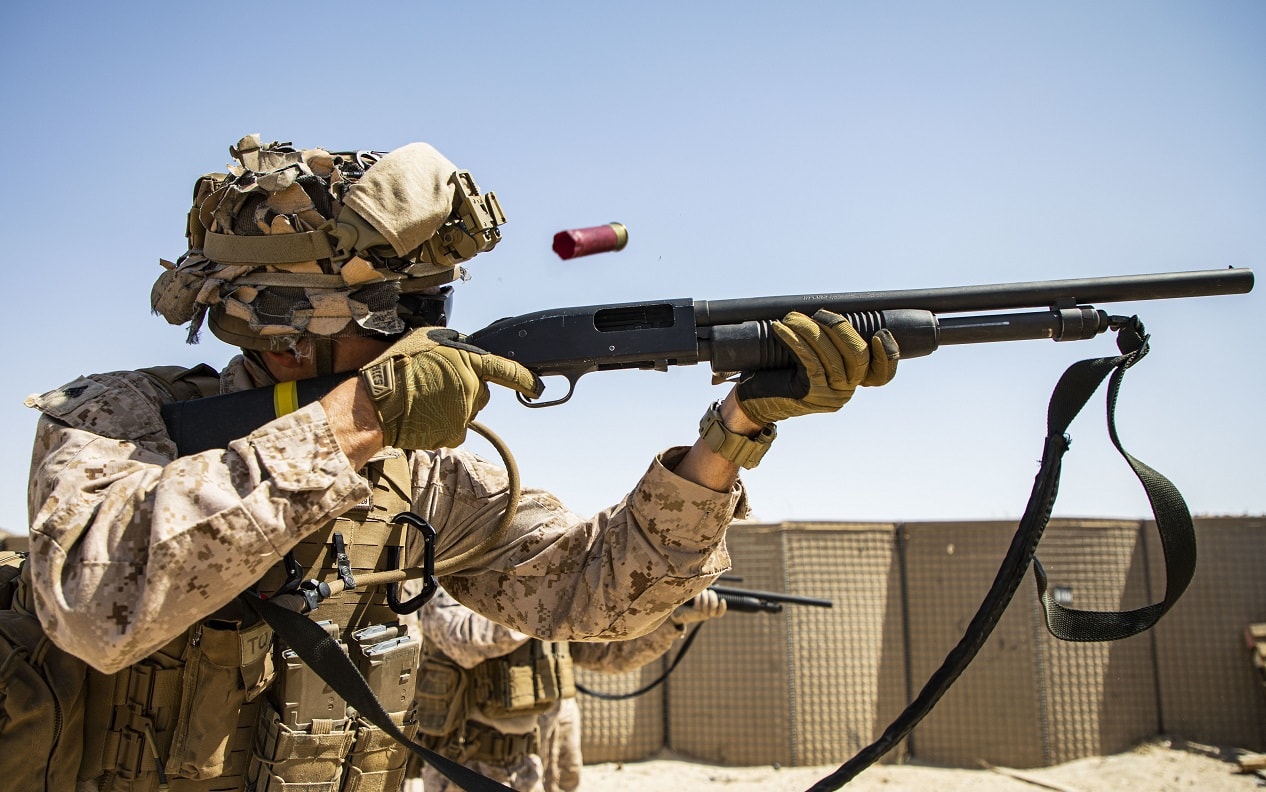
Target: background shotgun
(735,335)
(737,600)
(752,601)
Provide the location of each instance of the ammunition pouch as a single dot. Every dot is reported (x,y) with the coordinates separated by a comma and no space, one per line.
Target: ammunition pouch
(441,696)
(388,659)
(306,741)
(309,759)
(480,742)
(185,712)
(377,761)
(223,663)
(526,681)
(328,756)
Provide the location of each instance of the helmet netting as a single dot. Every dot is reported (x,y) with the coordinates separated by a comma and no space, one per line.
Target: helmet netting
(274,190)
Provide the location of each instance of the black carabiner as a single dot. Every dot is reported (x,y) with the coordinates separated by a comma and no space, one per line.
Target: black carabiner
(428,566)
(294,575)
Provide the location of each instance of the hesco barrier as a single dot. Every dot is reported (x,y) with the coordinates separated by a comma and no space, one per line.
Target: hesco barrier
(621,730)
(1205,690)
(813,686)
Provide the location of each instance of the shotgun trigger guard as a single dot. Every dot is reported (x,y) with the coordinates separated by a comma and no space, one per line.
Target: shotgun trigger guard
(572,379)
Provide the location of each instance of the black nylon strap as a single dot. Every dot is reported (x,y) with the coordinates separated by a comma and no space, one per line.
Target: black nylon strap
(322,654)
(1173,525)
(1071,393)
(649,686)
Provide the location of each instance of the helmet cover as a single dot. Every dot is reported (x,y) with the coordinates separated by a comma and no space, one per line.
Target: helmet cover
(293,243)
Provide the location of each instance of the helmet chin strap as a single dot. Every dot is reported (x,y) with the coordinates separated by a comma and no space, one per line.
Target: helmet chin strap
(323,355)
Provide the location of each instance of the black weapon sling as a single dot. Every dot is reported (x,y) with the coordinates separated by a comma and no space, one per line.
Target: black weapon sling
(1173,525)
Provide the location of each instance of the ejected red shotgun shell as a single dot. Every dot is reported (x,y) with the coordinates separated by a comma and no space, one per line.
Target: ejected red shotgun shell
(595,239)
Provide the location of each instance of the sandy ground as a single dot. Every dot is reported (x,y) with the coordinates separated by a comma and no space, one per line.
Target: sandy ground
(1160,766)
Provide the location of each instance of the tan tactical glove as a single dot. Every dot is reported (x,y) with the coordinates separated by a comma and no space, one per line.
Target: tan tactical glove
(707,604)
(834,361)
(430,385)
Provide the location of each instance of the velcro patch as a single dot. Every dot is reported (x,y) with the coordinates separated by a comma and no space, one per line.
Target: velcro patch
(381,379)
(61,401)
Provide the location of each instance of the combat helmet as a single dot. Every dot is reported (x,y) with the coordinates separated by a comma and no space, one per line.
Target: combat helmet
(309,243)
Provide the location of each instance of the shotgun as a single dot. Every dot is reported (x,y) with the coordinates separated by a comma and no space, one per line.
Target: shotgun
(735,335)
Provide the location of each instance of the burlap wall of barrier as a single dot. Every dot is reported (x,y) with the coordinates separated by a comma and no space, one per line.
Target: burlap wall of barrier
(993,712)
(1208,690)
(1029,699)
(808,685)
(621,730)
(1097,698)
(848,663)
(727,701)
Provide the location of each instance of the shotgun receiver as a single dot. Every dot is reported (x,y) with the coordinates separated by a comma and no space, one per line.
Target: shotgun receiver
(735,335)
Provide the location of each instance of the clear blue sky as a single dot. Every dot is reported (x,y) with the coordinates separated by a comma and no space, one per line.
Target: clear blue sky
(751,149)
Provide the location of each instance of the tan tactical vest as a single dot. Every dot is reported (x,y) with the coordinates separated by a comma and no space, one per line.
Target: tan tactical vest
(225,707)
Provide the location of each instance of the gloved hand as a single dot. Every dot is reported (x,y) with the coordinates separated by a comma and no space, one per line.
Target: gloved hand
(834,361)
(707,604)
(429,386)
